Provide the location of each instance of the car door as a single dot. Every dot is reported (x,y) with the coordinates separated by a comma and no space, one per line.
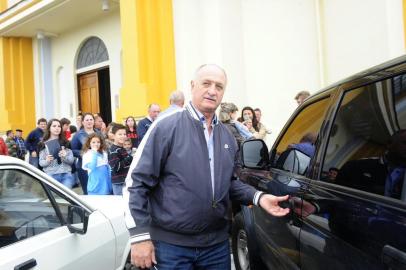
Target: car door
(278,237)
(352,218)
(33,230)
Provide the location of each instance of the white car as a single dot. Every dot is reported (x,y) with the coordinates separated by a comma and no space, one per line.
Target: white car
(44,225)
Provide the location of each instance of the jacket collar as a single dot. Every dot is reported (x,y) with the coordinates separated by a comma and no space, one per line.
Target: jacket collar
(196,114)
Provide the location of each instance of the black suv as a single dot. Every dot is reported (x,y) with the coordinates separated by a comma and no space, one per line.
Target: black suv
(342,159)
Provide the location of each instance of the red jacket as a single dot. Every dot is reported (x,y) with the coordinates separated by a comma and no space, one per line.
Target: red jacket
(3,148)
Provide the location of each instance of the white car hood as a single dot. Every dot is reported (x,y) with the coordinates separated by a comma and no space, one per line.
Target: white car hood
(109,205)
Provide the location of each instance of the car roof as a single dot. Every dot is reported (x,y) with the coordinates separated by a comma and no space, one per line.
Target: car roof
(386,69)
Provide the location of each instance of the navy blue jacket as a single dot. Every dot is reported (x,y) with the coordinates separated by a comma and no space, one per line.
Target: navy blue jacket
(35,136)
(142,128)
(170,190)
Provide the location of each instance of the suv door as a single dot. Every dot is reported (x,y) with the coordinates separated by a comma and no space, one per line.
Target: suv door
(33,229)
(355,213)
(278,237)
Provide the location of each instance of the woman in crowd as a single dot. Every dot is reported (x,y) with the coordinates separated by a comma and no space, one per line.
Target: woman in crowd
(257,129)
(109,135)
(55,157)
(77,144)
(228,114)
(132,130)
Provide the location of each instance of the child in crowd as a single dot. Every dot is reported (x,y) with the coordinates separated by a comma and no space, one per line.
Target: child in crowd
(119,159)
(109,135)
(128,146)
(95,162)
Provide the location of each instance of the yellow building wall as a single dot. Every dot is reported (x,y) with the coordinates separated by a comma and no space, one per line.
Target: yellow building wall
(148,56)
(404,21)
(3,5)
(17,100)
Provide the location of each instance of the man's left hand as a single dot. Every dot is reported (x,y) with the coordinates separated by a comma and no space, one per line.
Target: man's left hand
(270,204)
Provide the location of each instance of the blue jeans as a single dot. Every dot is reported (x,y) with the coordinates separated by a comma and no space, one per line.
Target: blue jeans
(83,176)
(118,189)
(64,178)
(216,257)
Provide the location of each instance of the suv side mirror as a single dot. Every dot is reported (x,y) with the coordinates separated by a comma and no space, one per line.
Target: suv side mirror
(293,160)
(77,219)
(254,154)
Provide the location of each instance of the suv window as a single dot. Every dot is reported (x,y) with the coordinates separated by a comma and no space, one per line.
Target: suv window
(297,145)
(367,142)
(25,209)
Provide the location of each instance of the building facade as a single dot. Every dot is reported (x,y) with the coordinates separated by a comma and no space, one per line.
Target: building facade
(115,57)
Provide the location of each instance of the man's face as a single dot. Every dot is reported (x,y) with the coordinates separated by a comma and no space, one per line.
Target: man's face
(19,134)
(154,111)
(11,135)
(98,122)
(332,175)
(208,89)
(42,125)
(120,136)
(258,115)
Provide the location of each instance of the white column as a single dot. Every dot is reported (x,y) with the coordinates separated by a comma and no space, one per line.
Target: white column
(45,76)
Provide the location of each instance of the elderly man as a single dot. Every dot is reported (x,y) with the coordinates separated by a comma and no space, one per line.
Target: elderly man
(176,101)
(144,124)
(181,182)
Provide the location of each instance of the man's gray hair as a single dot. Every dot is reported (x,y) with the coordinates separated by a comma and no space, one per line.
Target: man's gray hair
(177,97)
(204,65)
(152,104)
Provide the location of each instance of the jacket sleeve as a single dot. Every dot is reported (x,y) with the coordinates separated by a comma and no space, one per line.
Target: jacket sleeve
(43,158)
(3,148)
(119,160)
(239,191)
(69,158)
(76,146)
(89,161)
(29,142)
(261,133)
(144,175)
(141,130)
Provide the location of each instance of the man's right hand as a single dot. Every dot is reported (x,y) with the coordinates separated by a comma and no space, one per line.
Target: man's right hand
(143,254)
(34,154)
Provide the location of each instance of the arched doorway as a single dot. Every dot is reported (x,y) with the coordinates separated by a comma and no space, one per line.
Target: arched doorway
(93,78)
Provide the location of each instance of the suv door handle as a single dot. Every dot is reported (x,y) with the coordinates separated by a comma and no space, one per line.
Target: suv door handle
(393,257)
(26,265)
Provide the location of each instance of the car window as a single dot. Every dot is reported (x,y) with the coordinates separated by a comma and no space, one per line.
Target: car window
(301,136)
(367,142)
(25,209)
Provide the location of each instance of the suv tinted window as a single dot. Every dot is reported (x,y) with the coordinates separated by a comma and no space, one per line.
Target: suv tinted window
(25,209)
(367,144)
(301,135)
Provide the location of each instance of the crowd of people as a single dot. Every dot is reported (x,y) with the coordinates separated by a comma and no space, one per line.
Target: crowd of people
(97,156)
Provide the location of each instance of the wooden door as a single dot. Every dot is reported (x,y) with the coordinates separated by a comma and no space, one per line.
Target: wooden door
(89,93)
